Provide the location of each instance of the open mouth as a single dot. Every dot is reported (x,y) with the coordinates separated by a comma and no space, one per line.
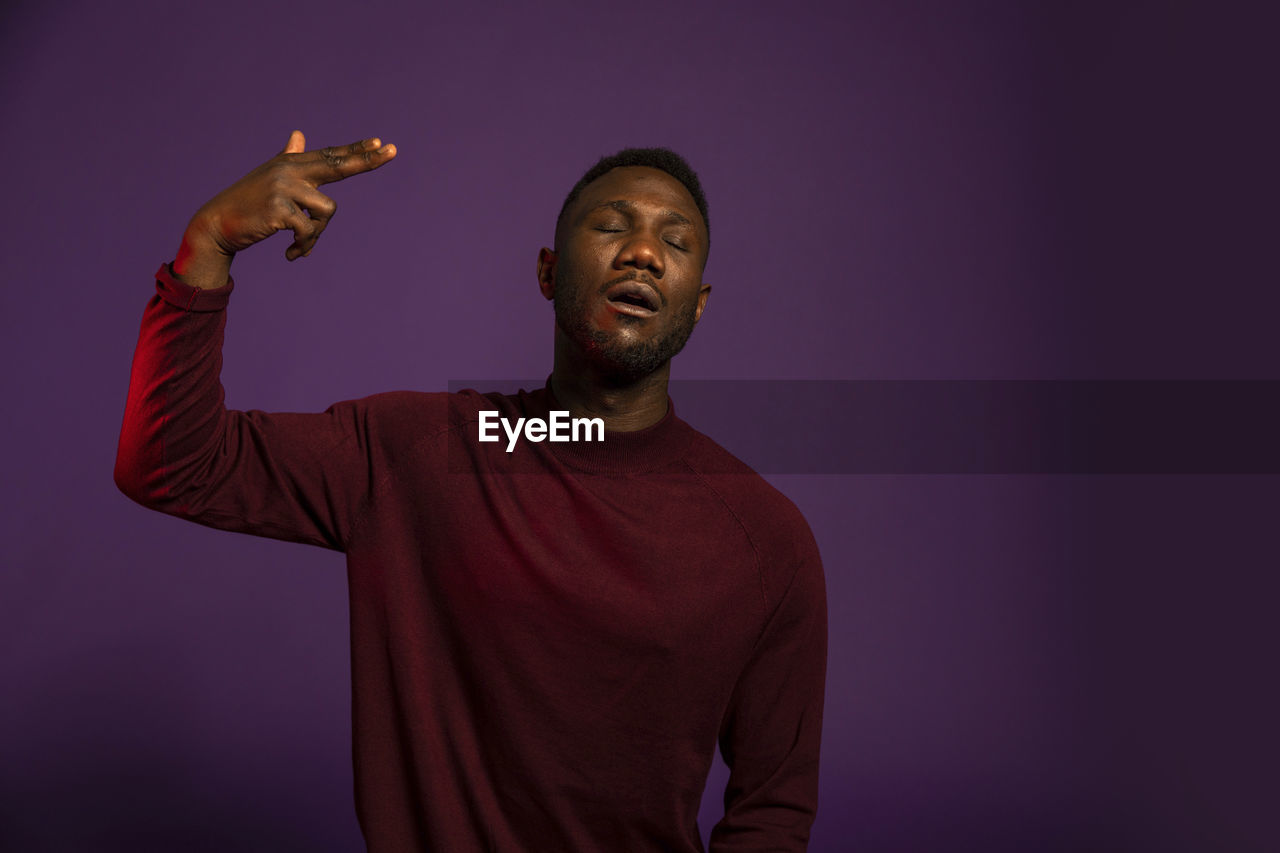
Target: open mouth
(634,298)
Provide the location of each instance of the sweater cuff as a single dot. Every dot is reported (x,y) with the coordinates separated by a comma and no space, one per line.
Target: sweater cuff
(190,298)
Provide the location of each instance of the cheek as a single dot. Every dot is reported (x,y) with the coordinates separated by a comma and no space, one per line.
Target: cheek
(689,292)
(569,282)
(572,287)
(579,264)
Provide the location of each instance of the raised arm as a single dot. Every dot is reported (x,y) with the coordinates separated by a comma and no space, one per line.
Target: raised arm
(300,477)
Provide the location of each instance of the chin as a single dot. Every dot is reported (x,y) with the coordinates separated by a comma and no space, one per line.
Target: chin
(617,347)
(634,360)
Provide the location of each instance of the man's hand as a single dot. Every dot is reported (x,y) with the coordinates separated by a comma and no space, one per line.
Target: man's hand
(280,194)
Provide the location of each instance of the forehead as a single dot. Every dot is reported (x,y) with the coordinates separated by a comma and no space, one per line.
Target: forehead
(642,185)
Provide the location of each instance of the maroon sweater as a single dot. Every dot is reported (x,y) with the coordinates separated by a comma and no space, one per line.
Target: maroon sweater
(546,645)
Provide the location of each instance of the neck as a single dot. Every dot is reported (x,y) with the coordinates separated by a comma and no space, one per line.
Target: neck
(624,405)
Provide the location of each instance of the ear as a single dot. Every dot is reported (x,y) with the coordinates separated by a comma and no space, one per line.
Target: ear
(547,272)
(703,293)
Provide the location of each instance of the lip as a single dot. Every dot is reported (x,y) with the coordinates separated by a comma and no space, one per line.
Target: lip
(634,289)
(630,310)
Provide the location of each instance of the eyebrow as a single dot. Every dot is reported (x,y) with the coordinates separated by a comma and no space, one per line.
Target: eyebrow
(624,206)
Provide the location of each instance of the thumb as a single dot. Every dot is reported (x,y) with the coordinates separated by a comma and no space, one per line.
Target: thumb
(297,143)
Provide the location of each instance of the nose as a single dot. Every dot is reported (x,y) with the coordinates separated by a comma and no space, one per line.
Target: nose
(641,252)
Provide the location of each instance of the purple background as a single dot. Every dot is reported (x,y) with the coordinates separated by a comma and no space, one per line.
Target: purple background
(898,191)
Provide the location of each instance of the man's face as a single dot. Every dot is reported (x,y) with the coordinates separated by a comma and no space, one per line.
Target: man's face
(626,276)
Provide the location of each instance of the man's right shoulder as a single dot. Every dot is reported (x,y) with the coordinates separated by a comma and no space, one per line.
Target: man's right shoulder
(399,420)
(415,413)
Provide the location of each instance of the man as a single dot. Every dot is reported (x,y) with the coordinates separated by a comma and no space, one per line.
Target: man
(548,638)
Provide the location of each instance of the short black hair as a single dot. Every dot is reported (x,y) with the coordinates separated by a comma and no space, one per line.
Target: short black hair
(663,159)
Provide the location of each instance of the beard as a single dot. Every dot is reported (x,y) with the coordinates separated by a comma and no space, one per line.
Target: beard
(624,362)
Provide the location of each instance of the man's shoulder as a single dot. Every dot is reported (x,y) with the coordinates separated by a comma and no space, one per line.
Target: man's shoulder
(770,518)
(396,421)
(400,420)
(442,407)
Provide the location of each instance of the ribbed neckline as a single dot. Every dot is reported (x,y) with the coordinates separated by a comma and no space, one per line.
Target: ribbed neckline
(621,452)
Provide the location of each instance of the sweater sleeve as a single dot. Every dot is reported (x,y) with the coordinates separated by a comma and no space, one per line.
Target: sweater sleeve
(298,477)
(772,729)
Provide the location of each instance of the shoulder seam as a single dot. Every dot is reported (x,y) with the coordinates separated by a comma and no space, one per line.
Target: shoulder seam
(363,514)
(764,592)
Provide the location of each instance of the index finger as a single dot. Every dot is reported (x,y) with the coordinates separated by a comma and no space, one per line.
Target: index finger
(326,165)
